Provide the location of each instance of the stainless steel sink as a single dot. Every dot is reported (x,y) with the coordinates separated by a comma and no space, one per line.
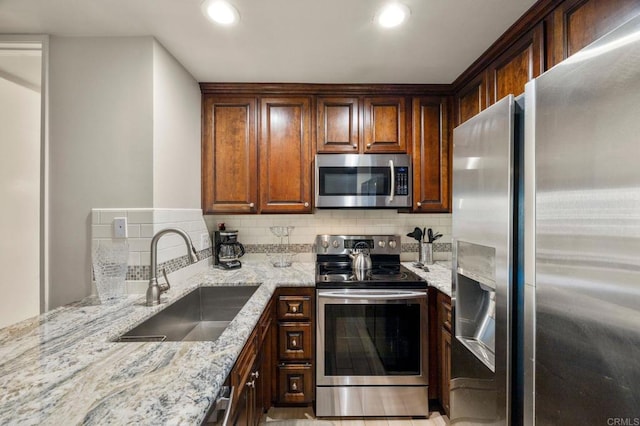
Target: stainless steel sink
(201,315)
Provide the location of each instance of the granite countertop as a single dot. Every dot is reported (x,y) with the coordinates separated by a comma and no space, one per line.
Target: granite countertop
(63,367)
(439,275)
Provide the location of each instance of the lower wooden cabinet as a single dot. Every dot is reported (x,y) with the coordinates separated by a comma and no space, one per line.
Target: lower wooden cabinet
(252,375)
(444,331)
(295,323)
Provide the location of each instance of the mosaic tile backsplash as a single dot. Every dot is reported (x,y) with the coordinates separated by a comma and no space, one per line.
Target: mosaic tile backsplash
(255,235)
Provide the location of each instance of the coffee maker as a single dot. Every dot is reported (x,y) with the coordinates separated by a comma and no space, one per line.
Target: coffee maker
(227,249)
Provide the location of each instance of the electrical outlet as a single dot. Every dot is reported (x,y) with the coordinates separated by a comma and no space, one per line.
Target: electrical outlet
(205,242)
(120,227)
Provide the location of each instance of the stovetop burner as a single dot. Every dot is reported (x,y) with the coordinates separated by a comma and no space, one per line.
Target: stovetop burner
(333,264)
(340,274)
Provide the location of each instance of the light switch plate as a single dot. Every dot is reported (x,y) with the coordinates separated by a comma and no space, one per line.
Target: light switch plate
(120,227)
(205,242)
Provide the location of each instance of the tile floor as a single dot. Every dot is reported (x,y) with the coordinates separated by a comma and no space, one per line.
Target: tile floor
(306,413)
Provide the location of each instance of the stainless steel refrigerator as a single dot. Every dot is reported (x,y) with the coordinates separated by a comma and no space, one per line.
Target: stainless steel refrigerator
(546,235)
(582,292)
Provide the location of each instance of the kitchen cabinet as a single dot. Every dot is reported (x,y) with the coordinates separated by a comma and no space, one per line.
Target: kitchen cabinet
(229,155)
(443,306)
(431,154)
(338,125)
(251,376)
(285,155)
(296,317)
(471,99)
(520,63)
(576,23)
(384,124)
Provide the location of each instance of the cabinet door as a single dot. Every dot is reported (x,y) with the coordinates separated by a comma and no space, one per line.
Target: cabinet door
(576,23)
(445,372)
(338,125)
(384,124)
(285,155)
(472,99)
(516,66)
(431,190)
(229,155)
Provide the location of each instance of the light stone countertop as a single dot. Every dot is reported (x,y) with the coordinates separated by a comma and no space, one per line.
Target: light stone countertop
(439,275)
(63,367)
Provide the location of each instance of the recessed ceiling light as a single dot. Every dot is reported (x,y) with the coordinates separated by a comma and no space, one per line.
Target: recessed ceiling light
(220,12)
(393,15)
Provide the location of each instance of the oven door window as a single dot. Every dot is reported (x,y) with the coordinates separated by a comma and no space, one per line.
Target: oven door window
(372,339)
(359,181)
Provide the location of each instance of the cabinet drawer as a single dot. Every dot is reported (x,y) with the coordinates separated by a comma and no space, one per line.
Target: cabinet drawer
(294,308)
(294,341)
(295,384)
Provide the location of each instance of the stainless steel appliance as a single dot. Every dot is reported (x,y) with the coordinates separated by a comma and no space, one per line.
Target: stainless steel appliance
(227,249)
(582,292)
(363,180)
(546,236)
(484,228)
(371,332)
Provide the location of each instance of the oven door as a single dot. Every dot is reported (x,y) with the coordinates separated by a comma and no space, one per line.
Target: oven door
(371,337)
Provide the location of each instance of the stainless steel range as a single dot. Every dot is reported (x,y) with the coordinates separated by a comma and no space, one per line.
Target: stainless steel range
(371,332)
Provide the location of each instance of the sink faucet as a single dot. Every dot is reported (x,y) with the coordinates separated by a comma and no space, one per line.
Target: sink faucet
(155,290)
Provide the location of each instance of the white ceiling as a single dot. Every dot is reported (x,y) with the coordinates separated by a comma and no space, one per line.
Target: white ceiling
(312,41)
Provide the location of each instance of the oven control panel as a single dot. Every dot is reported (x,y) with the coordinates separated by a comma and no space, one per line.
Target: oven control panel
(345,244)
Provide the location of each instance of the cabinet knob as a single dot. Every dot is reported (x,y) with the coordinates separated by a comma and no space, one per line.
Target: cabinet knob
(306,204)
(252,205)
(354,146)
(294,343)
(294,309)
(294,386)
(419,204)
(368,146)
(251,384)
(255,374)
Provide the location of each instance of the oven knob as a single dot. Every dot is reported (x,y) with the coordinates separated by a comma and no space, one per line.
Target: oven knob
(382,243)
(325,244)
(392,243)
(335,244)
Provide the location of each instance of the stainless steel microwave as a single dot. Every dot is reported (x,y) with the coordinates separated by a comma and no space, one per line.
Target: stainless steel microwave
(363,181)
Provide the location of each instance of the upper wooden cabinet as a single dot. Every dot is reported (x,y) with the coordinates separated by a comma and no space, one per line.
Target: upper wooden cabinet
(229,155)
(338,125)
(285,155)
(431,155)
(472,99)
(384,124)
(576,23)
(520,63)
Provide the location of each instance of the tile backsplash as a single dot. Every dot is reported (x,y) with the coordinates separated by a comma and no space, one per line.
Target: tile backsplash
(254,230)
(142,225)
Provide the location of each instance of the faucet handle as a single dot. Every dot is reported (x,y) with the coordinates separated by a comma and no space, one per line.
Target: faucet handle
(165,286)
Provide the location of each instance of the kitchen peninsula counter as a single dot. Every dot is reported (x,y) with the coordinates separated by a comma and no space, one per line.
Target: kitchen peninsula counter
(64,367)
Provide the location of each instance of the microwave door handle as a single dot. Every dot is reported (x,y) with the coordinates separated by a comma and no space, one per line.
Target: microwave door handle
(393,181)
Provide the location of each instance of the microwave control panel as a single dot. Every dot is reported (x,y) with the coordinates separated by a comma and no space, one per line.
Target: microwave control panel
(402,181)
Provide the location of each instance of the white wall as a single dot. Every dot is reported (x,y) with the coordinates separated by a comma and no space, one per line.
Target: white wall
(20,195)
(176,133)
(101,146)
